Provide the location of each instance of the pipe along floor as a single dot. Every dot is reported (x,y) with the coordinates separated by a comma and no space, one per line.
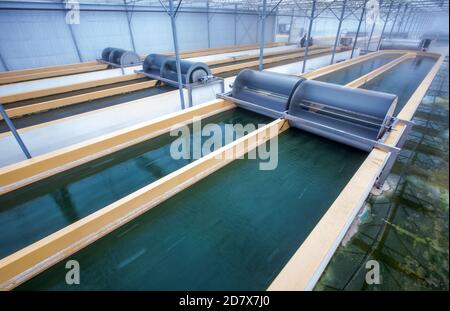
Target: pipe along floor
(224,231)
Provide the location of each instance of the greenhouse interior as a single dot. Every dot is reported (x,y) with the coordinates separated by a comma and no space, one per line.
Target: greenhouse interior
(224,145)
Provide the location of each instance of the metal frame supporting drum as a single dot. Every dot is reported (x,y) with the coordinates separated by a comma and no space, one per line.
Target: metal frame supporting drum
(194,75)
(120,58)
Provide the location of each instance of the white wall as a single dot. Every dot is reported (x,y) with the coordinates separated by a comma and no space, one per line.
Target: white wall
(38,36)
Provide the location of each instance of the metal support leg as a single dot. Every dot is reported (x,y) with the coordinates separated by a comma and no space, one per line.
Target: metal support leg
(308,38)
(405,24)
(403,19)
(359,28)
(13,130)
(385,24)
(371,32)
(130,31)
(261,35)
(207,24)
(387,168)
(336,40)
(235,24)
(2,61)
(413,17)
(72,33)
(393,156)
(177,52)
(395,20)
(290,27)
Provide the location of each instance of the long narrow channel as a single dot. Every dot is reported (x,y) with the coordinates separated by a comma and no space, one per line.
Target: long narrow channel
(224,232)
(355,71)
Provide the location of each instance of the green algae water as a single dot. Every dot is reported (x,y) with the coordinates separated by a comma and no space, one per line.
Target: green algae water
(402,79)
(353,72)
(35,211)
(224,232)
(407,230)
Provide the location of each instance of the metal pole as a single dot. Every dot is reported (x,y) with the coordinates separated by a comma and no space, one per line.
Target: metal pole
(2,61)
(385,24)
(130,31)
(371,32)
(405,25)
(311,20)
(207,23)
(403,18)
(292,25)
(395,20)
(359,28)
(417,24)
(177,52)
(336,40)
(261,36)
(235,24)
(71,32)
(13,130)
(413,16)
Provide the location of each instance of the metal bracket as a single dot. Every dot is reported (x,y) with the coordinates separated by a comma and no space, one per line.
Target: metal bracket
(13,130)
(121,66)
(189,86)
(393,150)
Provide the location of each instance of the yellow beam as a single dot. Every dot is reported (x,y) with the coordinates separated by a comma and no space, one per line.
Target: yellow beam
(255,55)
(298,56)
(76,99)
(25,72)
(35,258)
(68,88)
(50,74)
(25,172)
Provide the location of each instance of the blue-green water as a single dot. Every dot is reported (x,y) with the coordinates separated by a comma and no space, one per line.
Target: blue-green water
(35,211)
(235,229)
(353,72)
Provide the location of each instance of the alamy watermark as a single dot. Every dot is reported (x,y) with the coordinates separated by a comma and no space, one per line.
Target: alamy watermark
(73,275)
(196,141)
(373,276)
(372,12)
(73,13)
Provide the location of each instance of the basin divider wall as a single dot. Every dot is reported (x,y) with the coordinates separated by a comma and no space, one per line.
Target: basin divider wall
(67,88)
